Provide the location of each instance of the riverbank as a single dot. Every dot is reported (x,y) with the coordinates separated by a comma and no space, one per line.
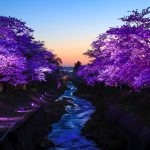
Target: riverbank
(31,116)
(120,115)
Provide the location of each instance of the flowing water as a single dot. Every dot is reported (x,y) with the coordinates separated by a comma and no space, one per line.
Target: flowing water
(66,134)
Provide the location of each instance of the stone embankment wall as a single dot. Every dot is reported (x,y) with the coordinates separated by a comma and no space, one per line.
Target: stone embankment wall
(136,134)
(29,134)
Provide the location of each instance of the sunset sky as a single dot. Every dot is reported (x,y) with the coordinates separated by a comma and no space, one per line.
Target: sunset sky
(68,27)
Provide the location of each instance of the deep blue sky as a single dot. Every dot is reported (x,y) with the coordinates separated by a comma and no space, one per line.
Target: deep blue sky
(69,26)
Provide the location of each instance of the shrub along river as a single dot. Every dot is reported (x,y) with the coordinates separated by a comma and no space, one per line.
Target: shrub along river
(66,134)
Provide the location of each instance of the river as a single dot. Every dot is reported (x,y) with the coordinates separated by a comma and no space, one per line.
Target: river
(66,134)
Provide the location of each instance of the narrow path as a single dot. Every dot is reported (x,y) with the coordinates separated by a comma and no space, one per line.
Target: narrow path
(66,134)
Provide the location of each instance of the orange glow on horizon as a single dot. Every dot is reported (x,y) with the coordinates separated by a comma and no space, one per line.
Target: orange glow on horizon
(70,58)
(71,52)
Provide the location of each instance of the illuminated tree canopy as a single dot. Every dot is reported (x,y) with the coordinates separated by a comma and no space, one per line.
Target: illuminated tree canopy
(22,58)
(121,55)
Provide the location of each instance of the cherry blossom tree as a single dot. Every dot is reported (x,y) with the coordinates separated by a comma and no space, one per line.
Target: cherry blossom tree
(22,58)
(121,55)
